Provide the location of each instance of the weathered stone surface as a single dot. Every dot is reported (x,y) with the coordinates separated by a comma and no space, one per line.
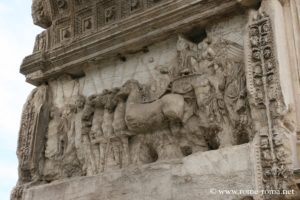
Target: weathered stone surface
(194,177)
(146,99)
(55,54)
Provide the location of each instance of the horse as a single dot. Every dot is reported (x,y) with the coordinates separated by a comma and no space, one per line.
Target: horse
(145,117)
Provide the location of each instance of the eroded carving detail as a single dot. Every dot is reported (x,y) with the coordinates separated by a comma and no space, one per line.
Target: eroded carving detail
(217,71)
(41,42)
(41,13)
(31,139)
(201,105)
(30,144)
(154,104)
(264,87)
(89,15)
(64,152)
(196,104)
(84,21)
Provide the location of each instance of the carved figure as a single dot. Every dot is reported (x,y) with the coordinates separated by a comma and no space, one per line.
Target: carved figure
(121,130)
(90,161)
(51,149)
(219,86)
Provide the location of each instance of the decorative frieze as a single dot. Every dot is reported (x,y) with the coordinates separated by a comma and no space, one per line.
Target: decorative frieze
(268,105)
(84,22)
(89,15)
(105,31)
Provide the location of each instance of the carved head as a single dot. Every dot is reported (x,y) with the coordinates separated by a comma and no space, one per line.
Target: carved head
(134,3)
(266,27)
(61,3)
(206,42)
(182,44)
(264,143)
(268,172)
(278,135)
(127,87)
(80,102)
(256,54)
(254,40)
(257,70)
(269,65)
(93,136)
(267,53)
(40,13)
(204,92)
(68,110)
(106,99)
(54,112)
(281,154)
(100,100)
(115,90)
(254,31)
(212,69)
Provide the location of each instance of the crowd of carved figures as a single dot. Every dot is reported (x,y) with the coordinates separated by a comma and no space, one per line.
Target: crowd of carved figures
(218,94)
(266,96)
(197,105)
(203,107)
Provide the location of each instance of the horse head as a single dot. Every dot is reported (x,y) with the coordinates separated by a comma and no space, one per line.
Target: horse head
(106,99)
(128,88)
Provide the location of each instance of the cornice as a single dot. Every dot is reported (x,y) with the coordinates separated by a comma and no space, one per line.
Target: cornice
(121,37)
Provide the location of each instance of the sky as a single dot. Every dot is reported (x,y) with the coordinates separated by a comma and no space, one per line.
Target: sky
(17,35)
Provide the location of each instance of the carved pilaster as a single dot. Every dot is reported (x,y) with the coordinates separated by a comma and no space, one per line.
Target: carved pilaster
(33,129)
(269,99)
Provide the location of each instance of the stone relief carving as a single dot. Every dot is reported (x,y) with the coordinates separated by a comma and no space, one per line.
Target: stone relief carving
(215,73)
(208,99)
(88,16)
(217,92)
(197,104)
(17,193)
(268,105)
(41,42)
(31,138)
(64,152)
(61,4)
(41,13)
